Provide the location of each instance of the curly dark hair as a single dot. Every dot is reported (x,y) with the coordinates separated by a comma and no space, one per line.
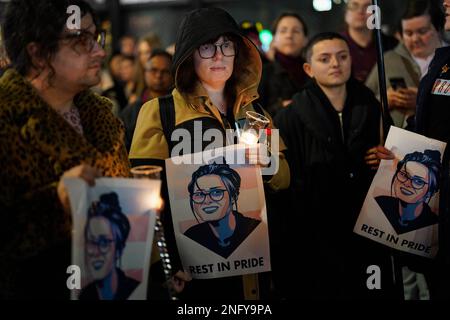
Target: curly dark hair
(109,207)
(42,22)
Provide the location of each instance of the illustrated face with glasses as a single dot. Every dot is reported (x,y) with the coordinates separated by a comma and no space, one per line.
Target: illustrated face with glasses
(411,183)
(213,61)
(100,247)
(211,200)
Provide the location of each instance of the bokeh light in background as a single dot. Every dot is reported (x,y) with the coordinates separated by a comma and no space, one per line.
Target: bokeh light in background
(322,5)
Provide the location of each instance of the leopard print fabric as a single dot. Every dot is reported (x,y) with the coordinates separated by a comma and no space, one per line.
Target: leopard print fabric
(36,147)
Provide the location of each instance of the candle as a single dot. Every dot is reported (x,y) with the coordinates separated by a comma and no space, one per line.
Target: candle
(248,137)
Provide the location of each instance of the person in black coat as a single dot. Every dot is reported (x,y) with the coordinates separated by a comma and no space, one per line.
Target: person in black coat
(330,130)
(282,78)
(432,118)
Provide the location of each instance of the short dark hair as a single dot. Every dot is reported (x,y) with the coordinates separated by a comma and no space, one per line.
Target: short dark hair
(161,52)
(42,21)
(431,160)
(109,207)
(128,57)
(230,178)
(319,38)
(187,78)
(276,22)
(417,8)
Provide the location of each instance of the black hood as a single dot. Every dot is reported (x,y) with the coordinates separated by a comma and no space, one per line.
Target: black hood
(199,26)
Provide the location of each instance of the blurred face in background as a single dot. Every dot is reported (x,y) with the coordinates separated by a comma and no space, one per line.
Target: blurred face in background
(289,37)
(126,70)
(127,46)
(420,37)
(447,15)
(144,52)
(114,65)
(330,63)
(157,75)
(356,14)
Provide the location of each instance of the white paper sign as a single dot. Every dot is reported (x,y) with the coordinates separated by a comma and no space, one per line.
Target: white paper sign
(219,216)
(112,236)
(401,207)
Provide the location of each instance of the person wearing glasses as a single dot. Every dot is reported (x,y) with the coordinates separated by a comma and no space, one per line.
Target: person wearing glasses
(413,185)
(53,126)
(158,82)
(361,39)
(214,192)
(106,232)
(217,71)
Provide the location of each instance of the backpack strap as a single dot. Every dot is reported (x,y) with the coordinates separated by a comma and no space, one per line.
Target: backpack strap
(167,114)
(257,107)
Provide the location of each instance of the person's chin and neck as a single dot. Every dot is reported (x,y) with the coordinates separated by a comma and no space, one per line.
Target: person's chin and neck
(105,275)
(409,211)
(220,219)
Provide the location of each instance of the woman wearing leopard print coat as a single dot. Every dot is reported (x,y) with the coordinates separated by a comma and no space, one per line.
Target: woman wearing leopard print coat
(51,126)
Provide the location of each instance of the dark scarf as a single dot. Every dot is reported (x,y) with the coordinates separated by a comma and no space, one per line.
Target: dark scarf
(294,67)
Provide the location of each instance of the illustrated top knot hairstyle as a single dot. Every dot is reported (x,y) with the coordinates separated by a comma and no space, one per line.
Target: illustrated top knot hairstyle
(108,207)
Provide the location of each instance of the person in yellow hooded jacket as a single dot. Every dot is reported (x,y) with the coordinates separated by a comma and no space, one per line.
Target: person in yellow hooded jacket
(217,71)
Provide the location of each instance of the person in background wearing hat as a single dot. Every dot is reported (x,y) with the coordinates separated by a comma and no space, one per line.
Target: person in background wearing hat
(217,71)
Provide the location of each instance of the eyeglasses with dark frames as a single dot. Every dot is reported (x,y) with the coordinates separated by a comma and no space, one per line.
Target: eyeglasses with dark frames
(86,39)
(417,182)
(208,50)
(199,197)
(102,245)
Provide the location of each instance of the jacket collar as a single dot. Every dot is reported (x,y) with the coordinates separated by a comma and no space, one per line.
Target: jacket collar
(44,129)
(321,119)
